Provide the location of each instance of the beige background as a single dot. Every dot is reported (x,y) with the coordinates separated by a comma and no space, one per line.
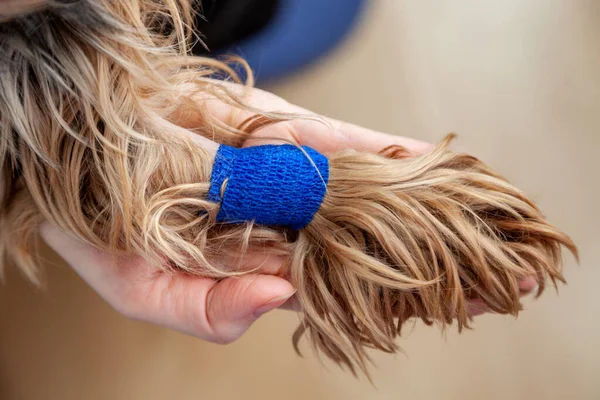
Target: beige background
(520,82)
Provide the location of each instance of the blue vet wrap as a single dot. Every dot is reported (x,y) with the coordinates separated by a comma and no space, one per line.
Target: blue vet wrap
(279,185)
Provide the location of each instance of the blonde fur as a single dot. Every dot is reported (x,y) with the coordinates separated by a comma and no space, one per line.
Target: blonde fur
(91,140)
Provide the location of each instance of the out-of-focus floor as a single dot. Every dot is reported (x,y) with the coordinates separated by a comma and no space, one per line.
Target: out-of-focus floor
(520,82)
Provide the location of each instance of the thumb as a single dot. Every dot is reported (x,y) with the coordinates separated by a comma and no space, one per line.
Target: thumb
(233,304)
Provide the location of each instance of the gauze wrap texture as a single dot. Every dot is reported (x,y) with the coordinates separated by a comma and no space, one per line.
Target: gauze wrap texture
(279,185)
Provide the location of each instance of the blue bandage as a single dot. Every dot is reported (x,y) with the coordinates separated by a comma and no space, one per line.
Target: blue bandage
(279,185)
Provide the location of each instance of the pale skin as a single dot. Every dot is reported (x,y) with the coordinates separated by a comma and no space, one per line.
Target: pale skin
(221,311)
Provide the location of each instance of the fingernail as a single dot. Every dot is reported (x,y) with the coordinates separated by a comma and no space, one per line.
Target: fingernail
(272,304)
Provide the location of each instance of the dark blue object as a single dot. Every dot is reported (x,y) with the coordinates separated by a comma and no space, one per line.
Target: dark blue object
(278,185)
(299,32)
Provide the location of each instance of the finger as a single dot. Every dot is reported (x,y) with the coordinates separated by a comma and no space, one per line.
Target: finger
(333,135)
(216,311)
(263,263)
(254,260)
(527,285)
(236,303)
(326,135)
(478,306)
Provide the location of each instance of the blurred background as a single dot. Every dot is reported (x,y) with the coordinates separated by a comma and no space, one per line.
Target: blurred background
(519,81)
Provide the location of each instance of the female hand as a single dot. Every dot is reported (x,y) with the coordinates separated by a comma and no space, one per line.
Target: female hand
(219,311)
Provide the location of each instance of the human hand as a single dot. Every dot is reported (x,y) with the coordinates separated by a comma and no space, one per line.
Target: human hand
(325,135)
(220,311)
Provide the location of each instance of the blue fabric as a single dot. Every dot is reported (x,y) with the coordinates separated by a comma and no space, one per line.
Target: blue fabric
(278,185)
